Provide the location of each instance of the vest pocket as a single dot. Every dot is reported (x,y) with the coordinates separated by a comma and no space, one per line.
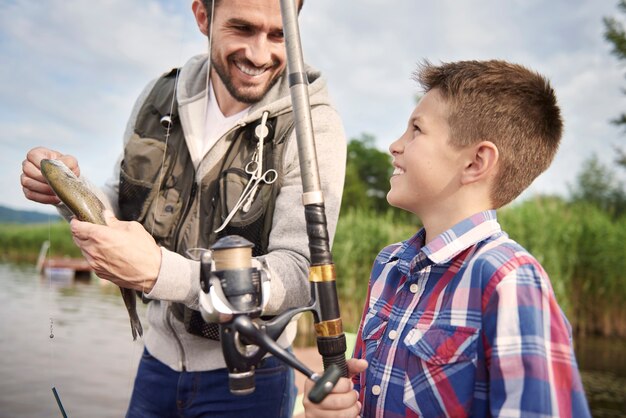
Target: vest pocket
(440,371)
(132,196)
(139,172)
(249,219)
(232,185)
(163,214)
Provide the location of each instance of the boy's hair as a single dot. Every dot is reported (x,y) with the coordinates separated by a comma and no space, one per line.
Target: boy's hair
(507,104)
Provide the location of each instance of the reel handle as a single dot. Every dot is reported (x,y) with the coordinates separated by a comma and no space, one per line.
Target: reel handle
(325,384)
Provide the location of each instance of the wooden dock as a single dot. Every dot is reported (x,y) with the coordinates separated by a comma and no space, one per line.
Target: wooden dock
(77,268)
(79,265)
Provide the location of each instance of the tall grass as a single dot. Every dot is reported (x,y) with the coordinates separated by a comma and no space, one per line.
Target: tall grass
(360,236)
(581,247)
(21,243)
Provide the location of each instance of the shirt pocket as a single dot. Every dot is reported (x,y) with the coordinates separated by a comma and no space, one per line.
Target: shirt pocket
(374,327)
(441,369)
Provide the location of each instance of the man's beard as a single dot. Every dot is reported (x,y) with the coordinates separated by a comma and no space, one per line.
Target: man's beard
(239,95)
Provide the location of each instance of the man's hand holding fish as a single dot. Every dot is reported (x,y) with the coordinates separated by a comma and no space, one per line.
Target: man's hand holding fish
(122,252)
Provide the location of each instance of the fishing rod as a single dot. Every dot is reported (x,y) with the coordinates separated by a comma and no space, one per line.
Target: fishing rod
(233,290)
(331,341)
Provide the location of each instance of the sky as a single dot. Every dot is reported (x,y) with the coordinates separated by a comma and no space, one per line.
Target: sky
(71,69)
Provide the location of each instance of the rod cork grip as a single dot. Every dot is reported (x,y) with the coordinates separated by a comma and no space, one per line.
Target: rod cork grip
(333,351)
(317,232)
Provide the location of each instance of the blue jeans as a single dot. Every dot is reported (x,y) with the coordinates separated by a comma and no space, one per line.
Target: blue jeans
(162,392)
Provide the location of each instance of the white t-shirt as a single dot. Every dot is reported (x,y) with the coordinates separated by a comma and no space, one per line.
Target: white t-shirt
(215,123)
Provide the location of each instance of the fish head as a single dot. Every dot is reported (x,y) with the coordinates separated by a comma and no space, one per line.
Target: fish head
(50,168)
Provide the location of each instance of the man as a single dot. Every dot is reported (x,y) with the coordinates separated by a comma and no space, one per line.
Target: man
(188,142)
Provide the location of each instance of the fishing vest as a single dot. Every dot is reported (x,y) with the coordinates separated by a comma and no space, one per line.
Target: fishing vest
(159,189)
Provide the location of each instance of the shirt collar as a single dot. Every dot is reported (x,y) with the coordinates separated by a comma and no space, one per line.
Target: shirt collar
(445,246)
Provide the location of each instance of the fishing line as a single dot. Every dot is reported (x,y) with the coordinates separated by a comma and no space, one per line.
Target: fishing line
(190,251)
(161,170)
(161,175)
(168,127)
(207,80)
(42,270)
(51,357)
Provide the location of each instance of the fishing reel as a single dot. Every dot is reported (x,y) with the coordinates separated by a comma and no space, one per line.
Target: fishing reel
(232,295)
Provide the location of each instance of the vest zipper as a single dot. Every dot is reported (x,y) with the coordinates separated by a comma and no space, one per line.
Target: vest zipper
(192,196)
(181,350)
(168,316)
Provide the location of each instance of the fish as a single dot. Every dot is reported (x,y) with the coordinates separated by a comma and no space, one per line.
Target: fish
(86,207)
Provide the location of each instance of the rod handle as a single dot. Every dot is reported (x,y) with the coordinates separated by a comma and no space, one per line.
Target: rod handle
(333,351)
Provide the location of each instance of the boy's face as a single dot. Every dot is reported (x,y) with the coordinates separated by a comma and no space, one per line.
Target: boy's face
(426,166)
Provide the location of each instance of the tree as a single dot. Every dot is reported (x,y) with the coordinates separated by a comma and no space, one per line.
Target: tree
(368,172)
(367,175)
(597,184)
(615,34)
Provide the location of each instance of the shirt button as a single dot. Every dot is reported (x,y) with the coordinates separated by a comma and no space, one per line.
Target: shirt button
(376,390)
(393,334)
(413,288)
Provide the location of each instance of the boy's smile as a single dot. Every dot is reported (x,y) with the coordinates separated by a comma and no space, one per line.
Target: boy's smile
(397,171)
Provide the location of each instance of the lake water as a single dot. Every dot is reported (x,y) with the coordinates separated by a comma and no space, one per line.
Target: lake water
(91,359)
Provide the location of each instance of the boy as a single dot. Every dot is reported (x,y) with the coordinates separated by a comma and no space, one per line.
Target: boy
(461,320)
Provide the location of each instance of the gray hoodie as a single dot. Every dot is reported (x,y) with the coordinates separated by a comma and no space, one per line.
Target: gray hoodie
(288,253)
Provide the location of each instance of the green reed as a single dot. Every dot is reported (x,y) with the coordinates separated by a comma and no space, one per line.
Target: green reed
(22,242)
(581,248)
(360,236)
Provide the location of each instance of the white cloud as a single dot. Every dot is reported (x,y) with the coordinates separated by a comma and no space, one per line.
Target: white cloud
(72,69)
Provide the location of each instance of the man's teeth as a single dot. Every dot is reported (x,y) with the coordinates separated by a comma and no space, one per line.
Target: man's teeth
(251,71)
(397,171)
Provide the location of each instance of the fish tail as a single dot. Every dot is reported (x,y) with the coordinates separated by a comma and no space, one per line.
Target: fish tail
(130,300)
(135,325)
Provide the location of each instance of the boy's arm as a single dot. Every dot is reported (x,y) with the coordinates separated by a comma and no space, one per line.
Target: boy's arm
(529,354)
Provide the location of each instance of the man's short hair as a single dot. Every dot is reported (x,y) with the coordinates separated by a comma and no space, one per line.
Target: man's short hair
(208,4)
(507,104)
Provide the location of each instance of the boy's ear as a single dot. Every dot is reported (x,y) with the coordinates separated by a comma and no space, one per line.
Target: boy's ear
(481,163)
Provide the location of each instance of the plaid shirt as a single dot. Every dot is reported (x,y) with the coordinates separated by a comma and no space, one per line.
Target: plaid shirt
(467,325)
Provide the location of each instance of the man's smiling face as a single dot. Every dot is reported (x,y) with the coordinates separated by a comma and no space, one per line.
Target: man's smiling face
(248,49)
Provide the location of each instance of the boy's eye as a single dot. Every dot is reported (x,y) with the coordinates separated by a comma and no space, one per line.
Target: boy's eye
(417,128)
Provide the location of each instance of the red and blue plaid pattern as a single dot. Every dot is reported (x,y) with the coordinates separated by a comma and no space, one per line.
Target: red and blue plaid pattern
(467,325)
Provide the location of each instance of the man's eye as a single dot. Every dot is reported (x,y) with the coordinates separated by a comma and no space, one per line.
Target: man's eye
(242,28)
(278,35)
